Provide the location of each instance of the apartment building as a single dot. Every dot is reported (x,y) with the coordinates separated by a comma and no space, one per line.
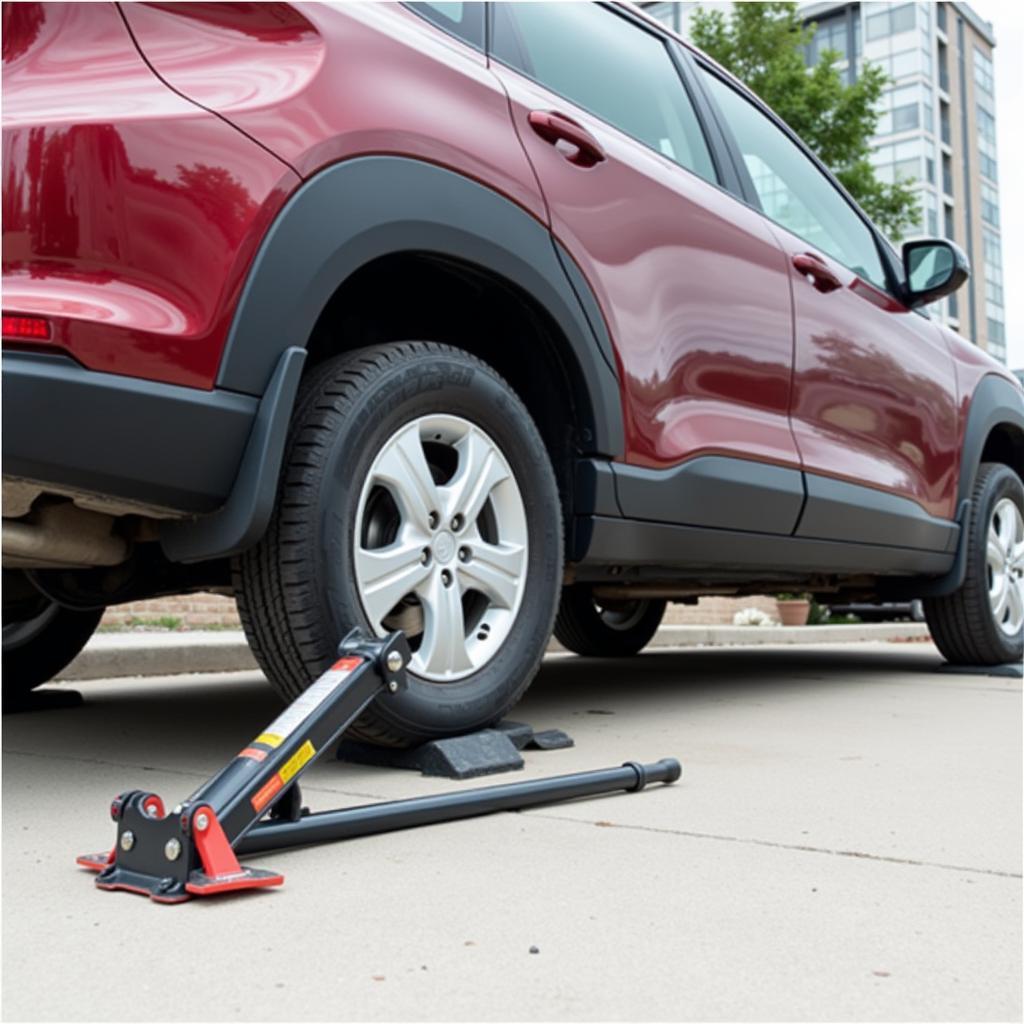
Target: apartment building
(937,128)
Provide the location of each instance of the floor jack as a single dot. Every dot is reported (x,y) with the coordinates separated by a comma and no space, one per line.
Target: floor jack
(254,804)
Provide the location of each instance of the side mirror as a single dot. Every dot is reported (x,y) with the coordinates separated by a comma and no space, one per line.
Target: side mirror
(932,267)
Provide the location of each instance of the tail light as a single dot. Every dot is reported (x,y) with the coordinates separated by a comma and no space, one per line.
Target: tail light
(26,328)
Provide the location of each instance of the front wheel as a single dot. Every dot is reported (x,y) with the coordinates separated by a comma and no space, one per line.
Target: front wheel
(982,623)
(416,494)
(605,629)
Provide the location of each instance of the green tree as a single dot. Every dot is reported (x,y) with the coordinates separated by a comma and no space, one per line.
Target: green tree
(762,44)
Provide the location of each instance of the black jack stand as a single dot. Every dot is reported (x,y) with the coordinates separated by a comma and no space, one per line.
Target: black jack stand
(192,850)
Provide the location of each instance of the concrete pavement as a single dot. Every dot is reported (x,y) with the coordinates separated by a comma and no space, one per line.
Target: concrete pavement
(845,844)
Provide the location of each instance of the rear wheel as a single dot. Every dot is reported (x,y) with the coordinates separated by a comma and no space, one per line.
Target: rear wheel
(605,629)
(416,494)
(982,623)
(39,636)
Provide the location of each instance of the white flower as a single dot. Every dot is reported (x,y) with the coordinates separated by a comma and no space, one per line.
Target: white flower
(752,617)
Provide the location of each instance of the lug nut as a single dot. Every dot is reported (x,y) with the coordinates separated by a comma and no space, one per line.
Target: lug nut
(464,554)
(425,557)
(172,849)
(202,822)
(456,523)
(446,577)
(127,840)
(433,519)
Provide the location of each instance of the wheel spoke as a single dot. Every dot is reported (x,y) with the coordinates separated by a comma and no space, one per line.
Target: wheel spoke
(403,469)
(999,595)
(481,468)
(443,648)
(1015,605)
(995,553)
(386,575)
(495,570)
(1006,512)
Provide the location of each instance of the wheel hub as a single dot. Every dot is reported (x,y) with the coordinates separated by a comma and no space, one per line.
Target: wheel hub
(443,547)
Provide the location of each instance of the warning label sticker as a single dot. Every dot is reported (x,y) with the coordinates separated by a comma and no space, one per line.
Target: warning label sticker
(267,792)
(294,763)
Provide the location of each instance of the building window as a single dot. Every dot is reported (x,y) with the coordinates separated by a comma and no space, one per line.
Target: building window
(993,260)
(900,160)
(940,16)
(902,110)
(891,22)
(948,218)
(987,143)
(989,204)
(943,67)
(928,225)
(945,131)
(830,34)
(931,214)
(947,174)
(983,72)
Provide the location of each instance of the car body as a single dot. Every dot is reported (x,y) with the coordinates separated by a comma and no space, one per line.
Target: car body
(203,202)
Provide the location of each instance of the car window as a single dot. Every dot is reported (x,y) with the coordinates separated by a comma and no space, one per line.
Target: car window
(465,21)
(792,189)
(608,66)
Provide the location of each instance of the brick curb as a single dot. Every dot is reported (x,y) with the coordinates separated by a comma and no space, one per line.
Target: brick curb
(112,655)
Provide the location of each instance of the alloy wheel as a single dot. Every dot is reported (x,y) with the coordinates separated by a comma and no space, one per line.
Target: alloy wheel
(440,545)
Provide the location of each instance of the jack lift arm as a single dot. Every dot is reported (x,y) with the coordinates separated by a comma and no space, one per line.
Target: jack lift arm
(192,850)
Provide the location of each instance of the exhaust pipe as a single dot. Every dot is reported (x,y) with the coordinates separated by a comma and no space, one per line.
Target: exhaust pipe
(62,537)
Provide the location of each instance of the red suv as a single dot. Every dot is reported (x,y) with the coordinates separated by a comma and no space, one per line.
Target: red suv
(473,320)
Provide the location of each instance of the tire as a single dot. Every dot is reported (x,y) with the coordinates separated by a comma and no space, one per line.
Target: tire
(312,576)
(977,625)
(39,637)
(608,630)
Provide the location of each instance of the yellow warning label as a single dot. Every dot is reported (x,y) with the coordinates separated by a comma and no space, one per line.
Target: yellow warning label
(294,763)
(271,739)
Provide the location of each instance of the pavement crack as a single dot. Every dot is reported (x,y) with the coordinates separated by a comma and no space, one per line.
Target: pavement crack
(797,847)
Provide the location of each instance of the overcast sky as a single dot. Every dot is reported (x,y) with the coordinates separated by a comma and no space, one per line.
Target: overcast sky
(1007,17)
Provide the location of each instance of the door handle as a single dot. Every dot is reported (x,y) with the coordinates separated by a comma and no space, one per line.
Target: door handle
(553,127)
(817,270)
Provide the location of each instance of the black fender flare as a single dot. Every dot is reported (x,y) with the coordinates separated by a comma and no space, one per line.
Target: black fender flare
(337,222)
(995,402)
(360,209)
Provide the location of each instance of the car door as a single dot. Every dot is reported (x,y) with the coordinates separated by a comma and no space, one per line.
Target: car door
(873,399)
(693,286)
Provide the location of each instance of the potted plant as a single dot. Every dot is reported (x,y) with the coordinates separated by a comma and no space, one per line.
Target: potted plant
(793,608)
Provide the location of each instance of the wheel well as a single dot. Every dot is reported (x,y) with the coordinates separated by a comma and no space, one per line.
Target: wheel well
(1005,444)
(424,297)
